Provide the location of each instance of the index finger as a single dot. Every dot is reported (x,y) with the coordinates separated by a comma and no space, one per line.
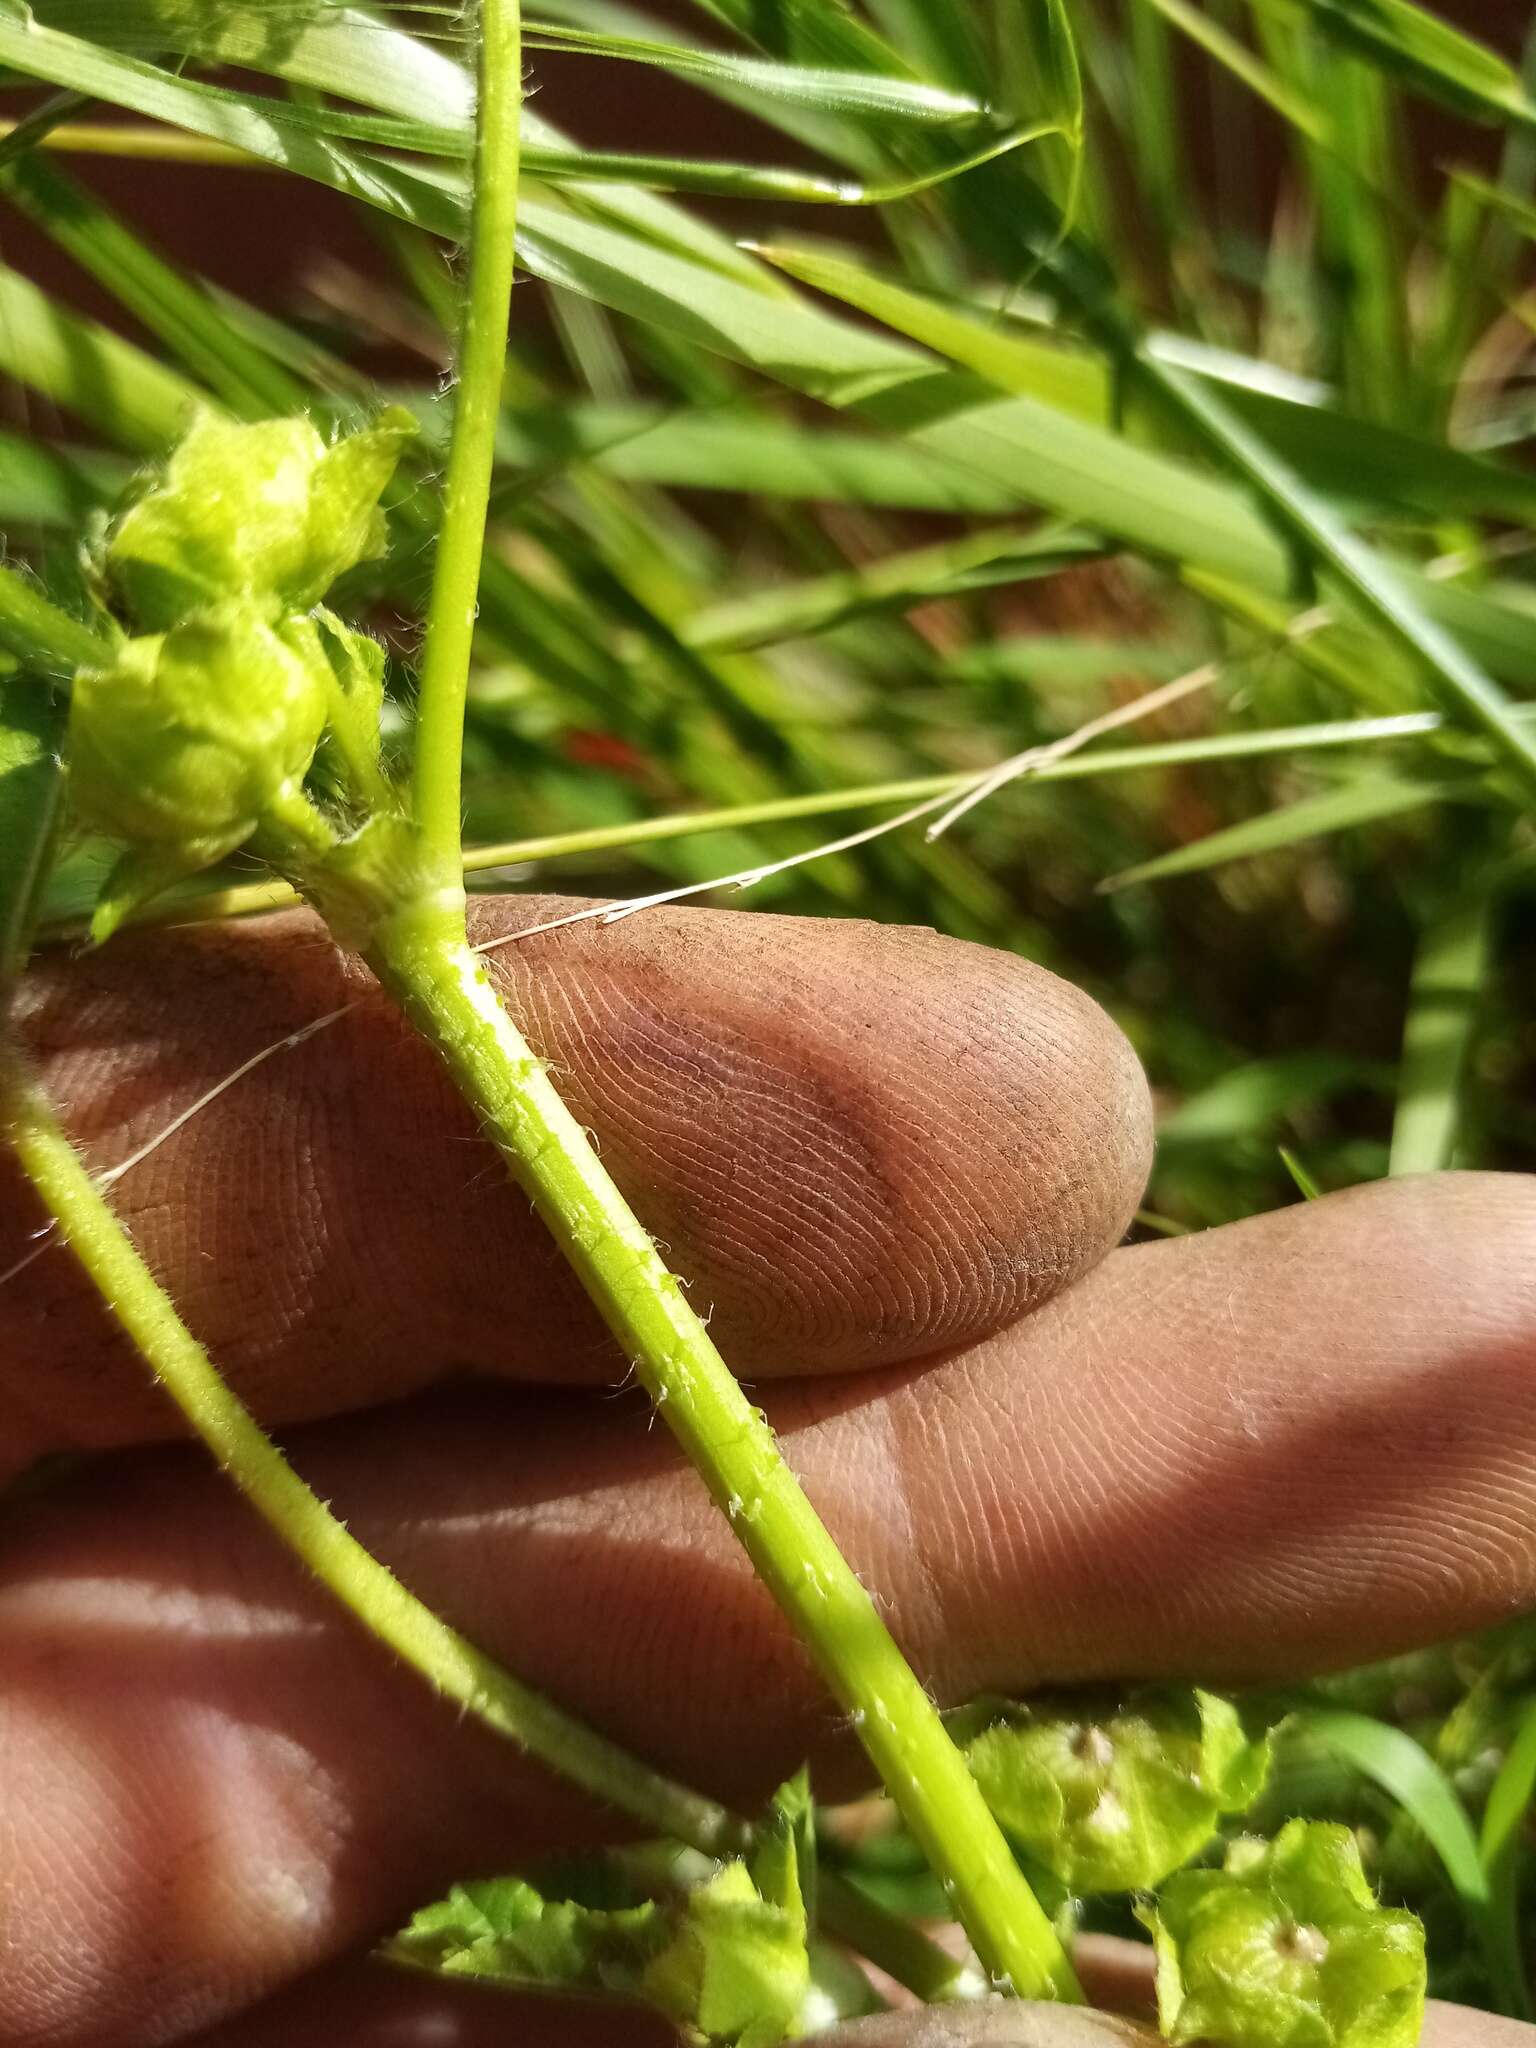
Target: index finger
(858,1144)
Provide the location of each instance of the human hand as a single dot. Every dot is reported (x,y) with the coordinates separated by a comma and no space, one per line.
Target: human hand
(1301,1441)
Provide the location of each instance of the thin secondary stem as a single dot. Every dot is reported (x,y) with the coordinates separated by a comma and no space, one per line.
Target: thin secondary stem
(481,360)
(893,1943)
(447,1660)
(421,955)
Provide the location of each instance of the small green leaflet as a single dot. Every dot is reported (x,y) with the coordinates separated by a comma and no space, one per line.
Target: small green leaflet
(728,1962)
(1286,1947)
(1111,1796)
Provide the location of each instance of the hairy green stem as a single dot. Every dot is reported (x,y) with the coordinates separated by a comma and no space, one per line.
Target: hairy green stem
(447,1660)
(436,798)
(421,955)
(39,634)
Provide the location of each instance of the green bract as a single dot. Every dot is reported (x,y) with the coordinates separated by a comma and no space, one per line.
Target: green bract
(728,1963)
(265,512)
(186,738)
(1111,1796)
(1287,1947)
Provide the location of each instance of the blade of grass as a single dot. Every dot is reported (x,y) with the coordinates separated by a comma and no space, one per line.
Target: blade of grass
(840,91)
(1450,971)
(1367,800)
(978,561)
(1405,1769)
(37,633)
(212,347)
(32,723)
(1428,53)
(1383,595)
(1236,56)
(1504,1854)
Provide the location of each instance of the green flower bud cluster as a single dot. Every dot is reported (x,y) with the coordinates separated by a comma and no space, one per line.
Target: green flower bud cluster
(1287,1947)
(1112,1795)
(208,717)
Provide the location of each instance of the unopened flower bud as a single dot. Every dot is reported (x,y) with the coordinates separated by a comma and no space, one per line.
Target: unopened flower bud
(266,512)
(182,742)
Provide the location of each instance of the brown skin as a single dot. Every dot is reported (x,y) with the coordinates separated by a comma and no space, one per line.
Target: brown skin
(1309,1439)
(860,1144)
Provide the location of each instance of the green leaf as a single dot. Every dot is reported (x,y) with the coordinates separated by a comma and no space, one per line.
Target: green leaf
(505,1931)
(728,1962)
(32,722)
(1441,61)
(1112,1795)
(1505,1858)
(1249,1100)
(1306,1186)
(826,91)
(1406,1770)
(180,313)
(1286,1947)
(1361,461)
(979,561)
(1239,59)
(1450,970)
(1366,800)
(127,397)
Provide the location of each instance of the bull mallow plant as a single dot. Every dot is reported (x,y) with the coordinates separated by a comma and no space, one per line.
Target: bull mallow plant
(230,708)
(218,703)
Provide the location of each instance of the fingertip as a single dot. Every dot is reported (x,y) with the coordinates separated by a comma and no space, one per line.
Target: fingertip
(902,1142)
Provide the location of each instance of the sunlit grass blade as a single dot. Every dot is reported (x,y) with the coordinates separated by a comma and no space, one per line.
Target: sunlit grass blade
(275,130)
(337,49)
(1506,1820)
(131,400)
(1379,591)
(1306,1186)
(1406,1770)
(743,448)
(896,582)
(1249,1101)
(1450,971)
(826,91)
(1511,206)
(1366,800)
(170,305)
(1237,57)
(1428,53)
(1360,459)
(43,487)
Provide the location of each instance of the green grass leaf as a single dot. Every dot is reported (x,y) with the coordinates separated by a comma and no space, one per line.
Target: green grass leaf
(979,561)
(1441,61)
(1367,800)
(1404,1768)
(32,723)
(1505,1859)
(1450,972)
